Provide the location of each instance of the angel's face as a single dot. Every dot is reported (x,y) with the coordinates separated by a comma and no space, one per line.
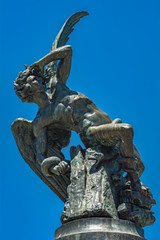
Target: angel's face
(28,85)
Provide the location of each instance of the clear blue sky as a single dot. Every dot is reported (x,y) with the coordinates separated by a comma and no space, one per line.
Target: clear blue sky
(116,62)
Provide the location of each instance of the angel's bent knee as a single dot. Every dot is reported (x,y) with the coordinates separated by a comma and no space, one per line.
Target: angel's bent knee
(127,129)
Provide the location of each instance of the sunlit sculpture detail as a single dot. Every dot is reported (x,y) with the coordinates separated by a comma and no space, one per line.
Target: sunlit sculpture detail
(98,185)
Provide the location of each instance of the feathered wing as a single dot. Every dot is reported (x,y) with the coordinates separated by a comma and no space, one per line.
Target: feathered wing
(61,40)
(23,133)
(63,35)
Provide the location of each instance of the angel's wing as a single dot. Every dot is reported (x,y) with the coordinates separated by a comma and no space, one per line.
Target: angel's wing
(62,38)
(23,134)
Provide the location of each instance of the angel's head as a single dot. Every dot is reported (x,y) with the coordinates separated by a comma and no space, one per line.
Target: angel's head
(29,84)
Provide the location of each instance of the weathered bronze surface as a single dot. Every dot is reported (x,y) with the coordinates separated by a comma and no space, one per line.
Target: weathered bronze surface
(101,180)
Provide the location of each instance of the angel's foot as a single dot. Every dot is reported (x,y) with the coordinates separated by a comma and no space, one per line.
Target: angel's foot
(55,165)
(61,169)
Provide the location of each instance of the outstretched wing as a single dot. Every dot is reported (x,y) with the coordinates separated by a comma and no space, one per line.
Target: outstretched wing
(62,38)
(23,133)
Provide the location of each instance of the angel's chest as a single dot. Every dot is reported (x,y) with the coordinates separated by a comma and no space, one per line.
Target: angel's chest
(45,114)
(59,114)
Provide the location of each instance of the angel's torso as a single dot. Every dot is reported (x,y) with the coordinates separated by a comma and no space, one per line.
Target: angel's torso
(72,112)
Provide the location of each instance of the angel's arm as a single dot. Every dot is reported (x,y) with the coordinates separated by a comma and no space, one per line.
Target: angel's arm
(41,145)
(62,53)
(64,65)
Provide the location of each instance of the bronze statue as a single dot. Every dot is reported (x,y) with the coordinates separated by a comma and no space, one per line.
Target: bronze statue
(62,110)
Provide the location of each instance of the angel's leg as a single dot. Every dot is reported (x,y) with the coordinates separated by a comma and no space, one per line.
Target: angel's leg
(111,134)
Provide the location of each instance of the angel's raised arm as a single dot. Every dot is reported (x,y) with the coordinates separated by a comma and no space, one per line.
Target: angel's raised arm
(62,53)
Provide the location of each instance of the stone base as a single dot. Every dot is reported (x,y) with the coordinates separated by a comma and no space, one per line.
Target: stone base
(99,229)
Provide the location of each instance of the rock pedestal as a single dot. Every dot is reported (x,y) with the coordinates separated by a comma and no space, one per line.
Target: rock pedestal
(99,188)
(97,228)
